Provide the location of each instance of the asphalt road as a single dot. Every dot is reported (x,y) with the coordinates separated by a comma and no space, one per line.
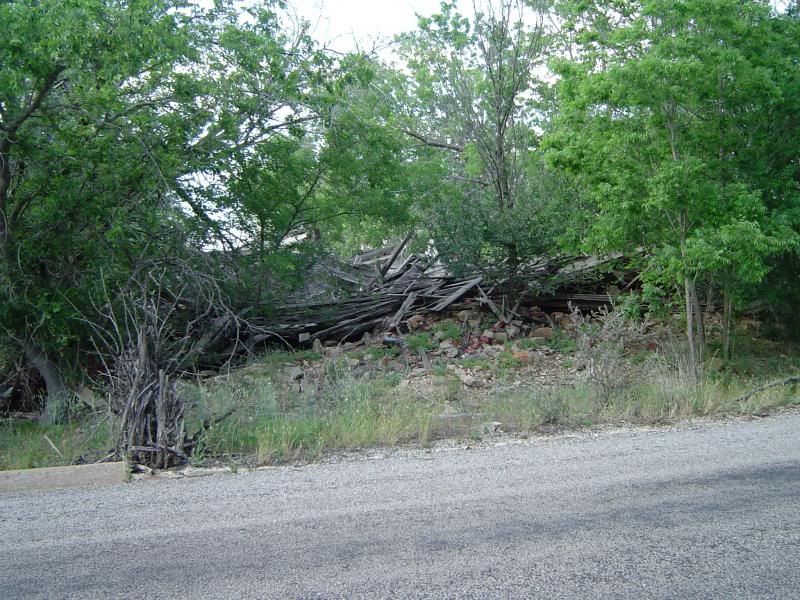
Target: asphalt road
(711,511)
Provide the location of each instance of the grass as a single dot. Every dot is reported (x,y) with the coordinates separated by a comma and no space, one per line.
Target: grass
(447,330)
(354,413)
(420,342)
(276,425)
(662,396)
(276,420)
(562,342)
(25,445)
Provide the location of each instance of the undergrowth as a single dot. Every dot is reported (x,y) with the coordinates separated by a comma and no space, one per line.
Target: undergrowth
(27,444)
(345,411)
(277,418)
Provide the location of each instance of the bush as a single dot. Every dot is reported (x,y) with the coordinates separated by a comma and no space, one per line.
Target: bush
(601,342)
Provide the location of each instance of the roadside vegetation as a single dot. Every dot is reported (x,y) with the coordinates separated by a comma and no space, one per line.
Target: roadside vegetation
(270,416)
(178,177)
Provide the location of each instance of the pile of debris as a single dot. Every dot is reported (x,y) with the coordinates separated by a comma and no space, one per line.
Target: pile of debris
(381,288)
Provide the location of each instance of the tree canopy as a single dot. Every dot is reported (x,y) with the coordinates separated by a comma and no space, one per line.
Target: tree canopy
(220,145)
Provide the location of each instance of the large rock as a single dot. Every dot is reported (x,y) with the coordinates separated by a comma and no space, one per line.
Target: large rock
(296,374)
(415,321)
(333,352)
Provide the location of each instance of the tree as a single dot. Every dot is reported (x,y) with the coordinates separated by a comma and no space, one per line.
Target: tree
(121,126)
(472,94)
(79,93)
(660,104)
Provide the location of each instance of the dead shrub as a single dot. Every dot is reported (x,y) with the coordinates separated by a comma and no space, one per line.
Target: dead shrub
(603,338)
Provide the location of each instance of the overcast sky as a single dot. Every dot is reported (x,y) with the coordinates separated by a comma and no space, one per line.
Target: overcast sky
(346,24)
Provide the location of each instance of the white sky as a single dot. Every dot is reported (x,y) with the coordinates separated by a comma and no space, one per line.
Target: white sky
(345,25)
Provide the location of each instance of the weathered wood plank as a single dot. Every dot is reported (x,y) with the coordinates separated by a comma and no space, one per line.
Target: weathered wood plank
(463,289)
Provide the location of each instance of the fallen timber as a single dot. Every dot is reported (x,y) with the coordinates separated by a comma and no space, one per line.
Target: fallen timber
(381,288)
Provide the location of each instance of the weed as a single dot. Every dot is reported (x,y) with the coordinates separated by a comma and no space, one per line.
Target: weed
(476,363)
(561,342)
(528,408)
(506,361)
(276,422)
(529,343)
(439,370)
(379,352)
(420,342)
(198,454)
(27,444)
(601,347)
(344,412)
(447,330)
(335,369)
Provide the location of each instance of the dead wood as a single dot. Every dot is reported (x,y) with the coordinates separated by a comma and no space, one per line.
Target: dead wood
(383,286)
(774,384)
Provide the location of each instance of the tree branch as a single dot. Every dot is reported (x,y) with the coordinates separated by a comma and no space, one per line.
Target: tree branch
(433,143)
(782,382)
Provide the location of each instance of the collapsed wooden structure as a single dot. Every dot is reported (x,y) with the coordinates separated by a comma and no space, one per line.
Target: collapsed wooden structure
(380,288)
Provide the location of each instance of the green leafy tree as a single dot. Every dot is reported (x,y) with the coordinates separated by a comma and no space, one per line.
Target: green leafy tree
(123,128)
(80,89)
(473,96)
(660,103)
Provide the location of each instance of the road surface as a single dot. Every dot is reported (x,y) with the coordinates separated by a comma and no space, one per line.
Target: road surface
(708,511)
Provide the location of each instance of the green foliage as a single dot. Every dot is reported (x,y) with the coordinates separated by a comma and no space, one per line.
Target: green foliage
(471,234)
(214,144)
(663,117)
(562,342)
(447,330)
(420,342)
(25,445)
(472,95)
(506,361)
(345,412)
(190,141)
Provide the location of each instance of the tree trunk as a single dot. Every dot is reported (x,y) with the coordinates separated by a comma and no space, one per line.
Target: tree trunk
(700,328)
(695,335)
(5,184)
(59,395)
(727,323)
(690,337)
(709,297)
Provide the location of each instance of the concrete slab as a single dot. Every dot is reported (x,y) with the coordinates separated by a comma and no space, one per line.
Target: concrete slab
(51,478)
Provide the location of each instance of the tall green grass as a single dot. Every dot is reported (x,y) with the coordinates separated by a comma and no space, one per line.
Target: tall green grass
(276,420)
(25,445)
(275,424)
(661,390)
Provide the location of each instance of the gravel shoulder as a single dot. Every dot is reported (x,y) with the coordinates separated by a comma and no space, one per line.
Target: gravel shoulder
(710,509)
